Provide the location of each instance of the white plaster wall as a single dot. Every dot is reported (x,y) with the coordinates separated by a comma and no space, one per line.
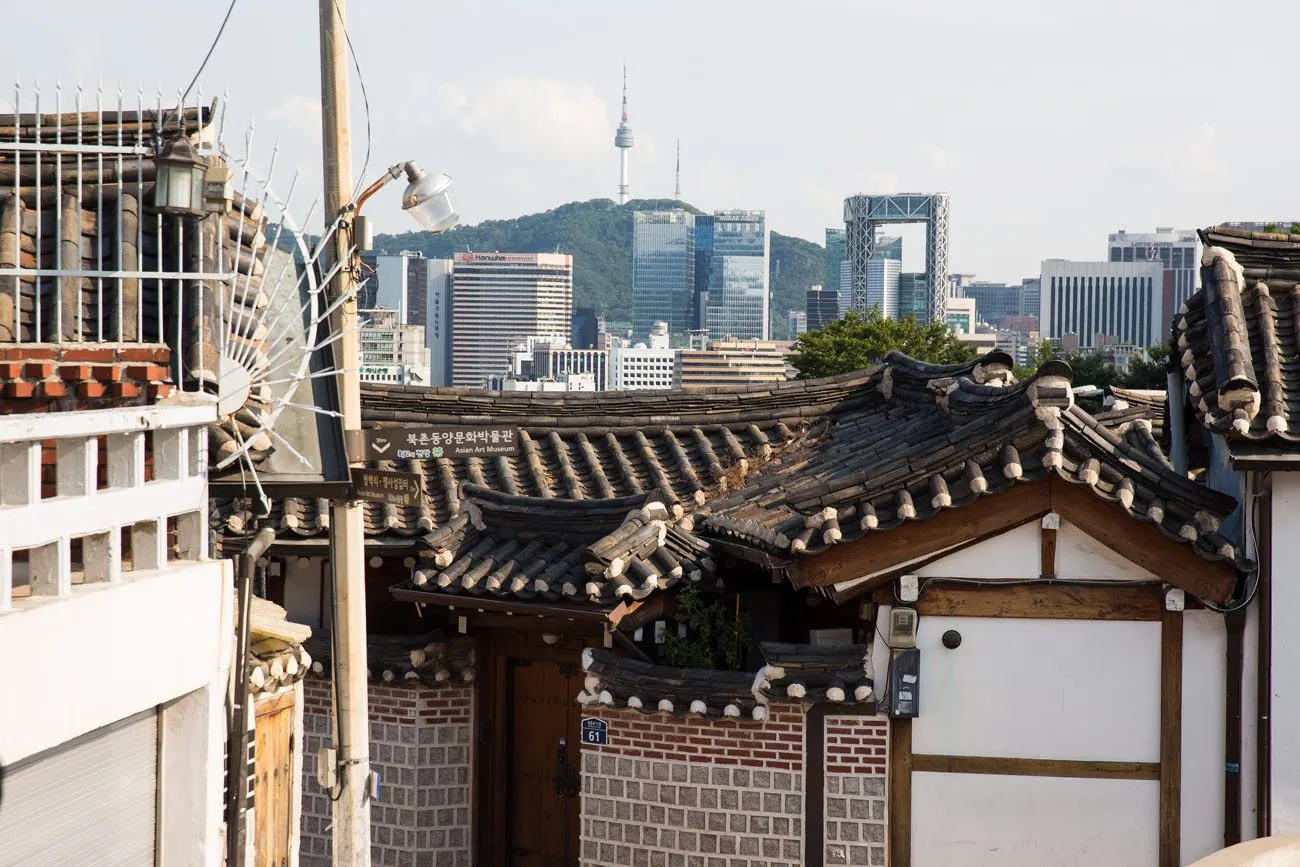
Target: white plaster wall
(1205,681)
(1058,689)
(1013,554)
(1286,654)
(1033,821)
(1078,555)
(302,590)
(113,650)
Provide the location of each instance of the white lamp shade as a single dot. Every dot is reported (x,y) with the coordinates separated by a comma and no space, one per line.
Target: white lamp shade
(428,200)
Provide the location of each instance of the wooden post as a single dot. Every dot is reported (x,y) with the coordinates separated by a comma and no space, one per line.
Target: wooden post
(899,805)
(352,727)
(1051,525)
(1171,737)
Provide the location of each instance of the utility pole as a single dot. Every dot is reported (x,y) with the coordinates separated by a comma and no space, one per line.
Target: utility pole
(351,818)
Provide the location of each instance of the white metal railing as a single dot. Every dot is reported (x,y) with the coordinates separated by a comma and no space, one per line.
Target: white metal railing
(38,533)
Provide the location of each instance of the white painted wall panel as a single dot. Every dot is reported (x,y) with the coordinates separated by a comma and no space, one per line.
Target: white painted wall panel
(1079,555)
(979,820)
(1014,554)
(302,590)
(1286,654)
(1205,681)
(1060,689)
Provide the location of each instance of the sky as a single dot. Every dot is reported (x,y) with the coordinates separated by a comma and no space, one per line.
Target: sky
(1050,123)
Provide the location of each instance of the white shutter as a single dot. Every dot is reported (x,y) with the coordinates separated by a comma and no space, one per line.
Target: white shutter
(90,802)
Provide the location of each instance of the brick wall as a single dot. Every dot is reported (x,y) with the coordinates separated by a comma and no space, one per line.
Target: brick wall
(855,789)
(421,745)
(668,791)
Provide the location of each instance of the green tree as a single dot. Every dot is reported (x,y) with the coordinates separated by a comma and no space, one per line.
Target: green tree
(1149,372)
(857,341)
(1042,353)
(716,637)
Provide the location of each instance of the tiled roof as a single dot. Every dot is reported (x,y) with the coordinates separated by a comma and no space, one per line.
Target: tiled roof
(1124,405)
(1239,339)
(813,673)
(940,442)
(585,551)
(604,445)
(432,658)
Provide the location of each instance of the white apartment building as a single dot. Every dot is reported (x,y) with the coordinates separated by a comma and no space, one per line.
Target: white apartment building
(1120,302)
(645,366)
(495,297)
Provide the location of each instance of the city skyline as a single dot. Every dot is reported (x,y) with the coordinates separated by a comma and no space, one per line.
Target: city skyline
(521,141)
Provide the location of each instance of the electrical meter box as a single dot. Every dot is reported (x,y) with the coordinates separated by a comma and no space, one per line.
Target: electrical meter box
(904,682)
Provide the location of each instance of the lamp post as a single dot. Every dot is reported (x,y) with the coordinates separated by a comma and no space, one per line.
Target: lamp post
(428,200)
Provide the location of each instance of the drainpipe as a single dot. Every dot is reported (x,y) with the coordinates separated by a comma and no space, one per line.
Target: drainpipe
(1177,432)
(1264,738)
(1235,622)
(237,737)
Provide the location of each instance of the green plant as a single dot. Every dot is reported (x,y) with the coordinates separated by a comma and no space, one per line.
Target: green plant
(856,342)
(716,638)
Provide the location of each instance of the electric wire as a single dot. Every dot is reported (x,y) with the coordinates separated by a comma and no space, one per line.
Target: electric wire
(365,98)
(202,66)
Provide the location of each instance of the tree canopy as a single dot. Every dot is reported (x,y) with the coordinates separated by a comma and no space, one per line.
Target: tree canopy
(858,341)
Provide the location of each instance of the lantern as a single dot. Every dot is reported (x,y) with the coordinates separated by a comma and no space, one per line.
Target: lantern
(178,188)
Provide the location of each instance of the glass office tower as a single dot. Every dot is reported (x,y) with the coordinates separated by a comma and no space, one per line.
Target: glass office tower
(737,304)
(663,270)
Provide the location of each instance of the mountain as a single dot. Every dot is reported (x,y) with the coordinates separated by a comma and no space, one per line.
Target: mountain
(598,234)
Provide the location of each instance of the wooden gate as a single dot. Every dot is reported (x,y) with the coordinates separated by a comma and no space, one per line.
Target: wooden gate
(543,779)
(273,783)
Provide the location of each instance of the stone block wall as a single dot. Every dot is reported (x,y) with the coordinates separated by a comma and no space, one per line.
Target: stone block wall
(715,793)
(421,744)
(855,789)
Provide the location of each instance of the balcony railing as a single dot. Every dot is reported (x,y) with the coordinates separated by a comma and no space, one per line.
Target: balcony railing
(86,497)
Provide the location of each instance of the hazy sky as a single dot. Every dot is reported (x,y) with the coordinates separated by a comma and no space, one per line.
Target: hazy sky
(1050,123)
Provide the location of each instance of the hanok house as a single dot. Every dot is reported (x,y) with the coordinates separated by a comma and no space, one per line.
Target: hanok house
(118,629)
(1235,421)
(971,603)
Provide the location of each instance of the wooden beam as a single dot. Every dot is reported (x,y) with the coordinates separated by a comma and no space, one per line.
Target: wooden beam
(1089,770)
(1171,737)
(1046,601)
(1047,567)
(899,805)
(1143,544)
(879,551)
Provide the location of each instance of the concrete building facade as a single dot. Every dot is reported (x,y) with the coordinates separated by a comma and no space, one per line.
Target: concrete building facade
(1119,301)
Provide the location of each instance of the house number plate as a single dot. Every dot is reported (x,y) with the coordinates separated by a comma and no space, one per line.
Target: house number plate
(595,731)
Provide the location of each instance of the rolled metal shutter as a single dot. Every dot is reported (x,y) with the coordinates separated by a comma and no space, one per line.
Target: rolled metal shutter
(91,802)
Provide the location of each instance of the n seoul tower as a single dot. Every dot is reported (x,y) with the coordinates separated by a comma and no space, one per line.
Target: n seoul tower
(623,141)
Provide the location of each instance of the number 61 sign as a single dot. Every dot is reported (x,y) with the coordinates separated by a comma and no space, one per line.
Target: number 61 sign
(595,731)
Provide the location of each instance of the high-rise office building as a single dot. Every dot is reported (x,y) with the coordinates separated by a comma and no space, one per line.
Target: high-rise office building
(834,257)
(1030,296)
(663,270)
(1177,251)
(882,286)
(822,306)
(391,350)
(995,300)
(437,324)
(913,295)
(586,327)
(399,282)
(497,298)
(1103,303)
(737,304)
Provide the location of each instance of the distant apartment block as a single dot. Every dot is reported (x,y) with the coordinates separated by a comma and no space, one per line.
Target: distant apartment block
(1177,251)
(496,298)
(733,362)
(796,323)
(1103,302)
(663,271)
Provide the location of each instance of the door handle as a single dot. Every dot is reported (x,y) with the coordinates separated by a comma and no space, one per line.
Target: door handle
(568,779)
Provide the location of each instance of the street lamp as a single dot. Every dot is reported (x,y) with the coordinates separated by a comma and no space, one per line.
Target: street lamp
(178,186)
(427,199)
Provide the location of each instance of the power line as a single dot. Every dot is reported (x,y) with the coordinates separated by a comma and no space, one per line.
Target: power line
(365,99)
(204,65)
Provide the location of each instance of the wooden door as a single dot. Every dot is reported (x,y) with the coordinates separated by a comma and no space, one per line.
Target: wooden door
(542,772)
(273,782)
